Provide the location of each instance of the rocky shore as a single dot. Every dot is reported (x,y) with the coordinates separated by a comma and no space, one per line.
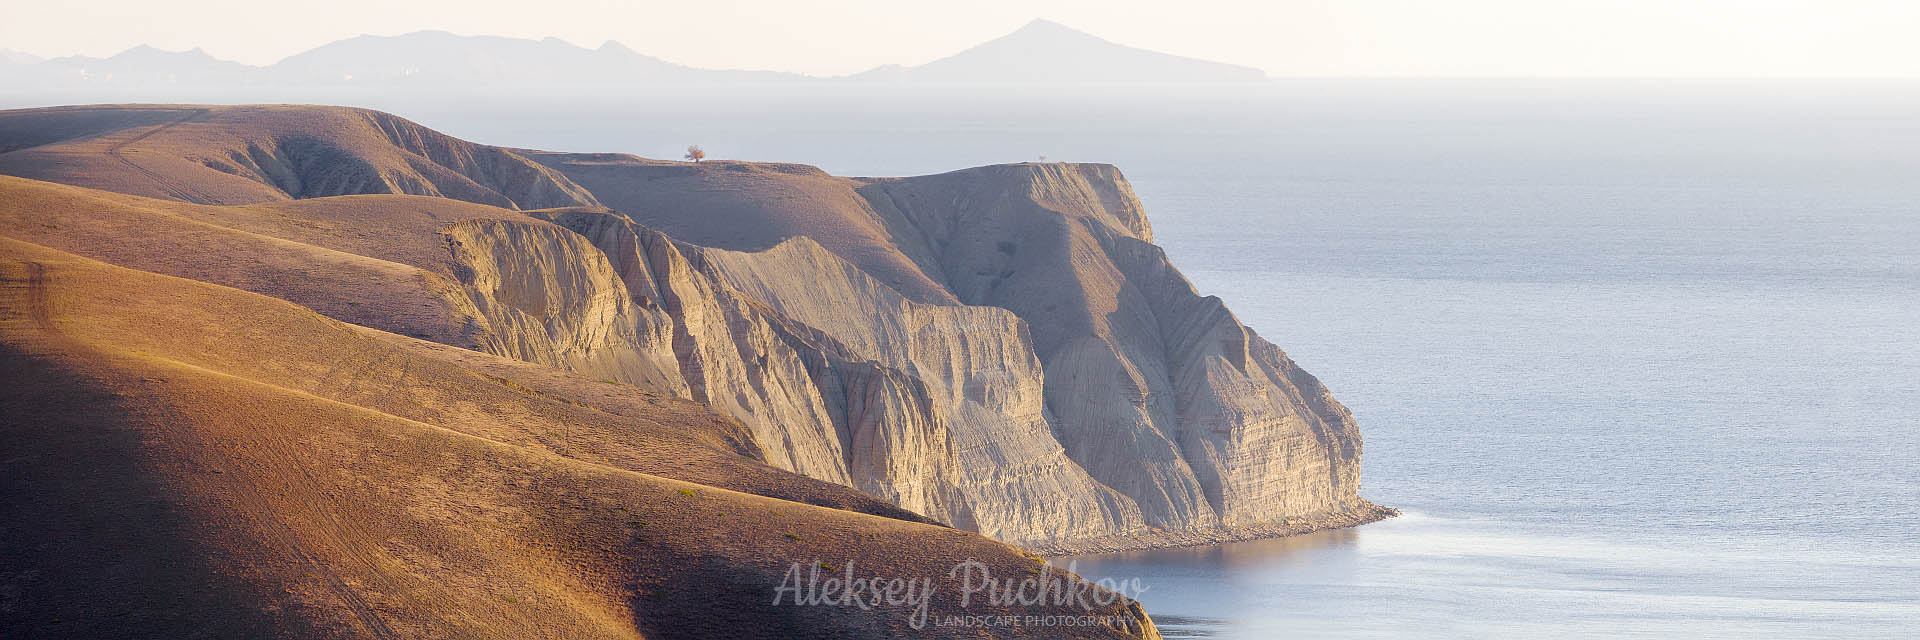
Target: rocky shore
(1367,513)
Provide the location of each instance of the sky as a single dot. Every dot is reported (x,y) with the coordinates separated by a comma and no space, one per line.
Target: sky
(1342,38)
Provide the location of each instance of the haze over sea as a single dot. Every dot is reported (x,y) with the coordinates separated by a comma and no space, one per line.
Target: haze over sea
(1637,358)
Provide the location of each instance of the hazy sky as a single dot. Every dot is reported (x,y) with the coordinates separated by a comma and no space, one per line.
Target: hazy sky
(1792,38)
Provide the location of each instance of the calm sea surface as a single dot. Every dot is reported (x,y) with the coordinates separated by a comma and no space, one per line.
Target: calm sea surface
(1637,359)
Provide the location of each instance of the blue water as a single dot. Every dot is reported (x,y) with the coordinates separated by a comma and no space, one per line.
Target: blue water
(1637,359)
(1630,373)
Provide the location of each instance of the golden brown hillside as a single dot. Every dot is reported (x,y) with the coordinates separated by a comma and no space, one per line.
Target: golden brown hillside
(186,459)
(261,153)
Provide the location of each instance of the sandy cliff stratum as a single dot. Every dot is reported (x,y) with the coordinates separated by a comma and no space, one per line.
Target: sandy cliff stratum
(370,367)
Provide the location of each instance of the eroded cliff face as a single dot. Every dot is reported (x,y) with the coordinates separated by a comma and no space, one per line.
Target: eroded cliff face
(1160,393)
(984,387)
(936,408)
(1079,389)
(730,354)
(1264,438)
(541,294)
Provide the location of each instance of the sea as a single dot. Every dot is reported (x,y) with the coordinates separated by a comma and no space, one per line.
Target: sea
(1635,358)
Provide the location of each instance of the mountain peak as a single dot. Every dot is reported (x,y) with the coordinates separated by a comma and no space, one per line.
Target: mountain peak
(145,51)
(1051,52)
(1048,29)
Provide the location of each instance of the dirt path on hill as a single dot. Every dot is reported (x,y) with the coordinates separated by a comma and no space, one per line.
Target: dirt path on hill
(172,187)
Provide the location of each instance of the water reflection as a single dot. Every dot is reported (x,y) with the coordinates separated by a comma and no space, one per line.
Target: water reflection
(1173,627)
(1421,575)
(1212,591)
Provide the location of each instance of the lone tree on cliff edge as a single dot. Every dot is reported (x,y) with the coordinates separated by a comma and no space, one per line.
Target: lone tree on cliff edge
(695,153)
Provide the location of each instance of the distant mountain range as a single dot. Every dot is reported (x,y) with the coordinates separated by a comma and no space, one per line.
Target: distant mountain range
(1040,52)
(438,57)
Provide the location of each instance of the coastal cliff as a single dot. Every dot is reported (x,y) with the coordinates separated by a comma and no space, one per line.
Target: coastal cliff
(1001,349)
(1204,430)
